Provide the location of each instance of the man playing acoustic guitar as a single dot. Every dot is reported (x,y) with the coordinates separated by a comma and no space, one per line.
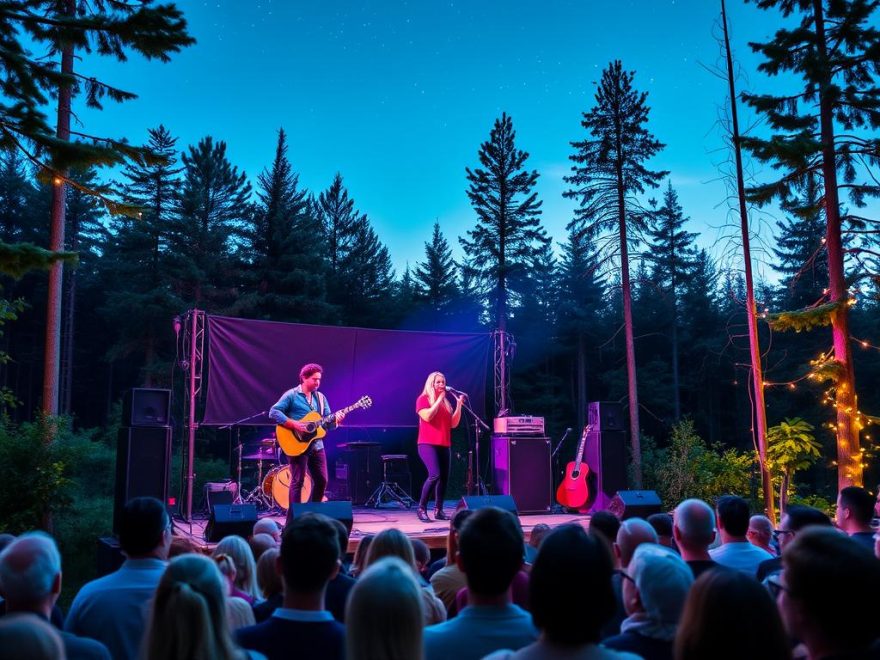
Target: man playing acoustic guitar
(295,404)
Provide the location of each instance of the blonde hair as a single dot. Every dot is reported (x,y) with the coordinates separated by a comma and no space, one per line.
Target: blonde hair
(188,617)
(384,615)
(391,543)
(267,574)
(428,391)
(245,566)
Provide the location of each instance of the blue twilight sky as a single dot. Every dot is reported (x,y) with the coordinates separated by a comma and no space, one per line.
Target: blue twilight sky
(398,96)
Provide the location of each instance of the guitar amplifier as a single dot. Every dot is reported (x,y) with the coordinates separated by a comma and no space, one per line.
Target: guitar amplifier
(525,425)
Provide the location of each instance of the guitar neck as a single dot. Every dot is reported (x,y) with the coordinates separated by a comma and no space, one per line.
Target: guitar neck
(580,450)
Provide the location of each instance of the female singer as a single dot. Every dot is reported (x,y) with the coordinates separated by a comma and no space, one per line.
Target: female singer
(436,421)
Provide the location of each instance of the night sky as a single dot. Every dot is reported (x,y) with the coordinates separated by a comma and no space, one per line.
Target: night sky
(398,96)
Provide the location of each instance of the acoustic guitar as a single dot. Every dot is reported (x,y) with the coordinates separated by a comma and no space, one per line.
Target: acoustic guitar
(574,491)
(294,443)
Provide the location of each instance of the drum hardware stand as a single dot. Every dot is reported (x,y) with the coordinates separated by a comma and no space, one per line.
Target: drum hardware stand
(390,490)
(256,496)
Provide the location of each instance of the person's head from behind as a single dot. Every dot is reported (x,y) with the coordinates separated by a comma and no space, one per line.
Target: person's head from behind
(30,573)
(729,615)
(798,517)
(383,616)
(657,585)
(26,636)
(144,529)
(662,524)
(829,586)
(245,566)
(268,526)
(630,536)
(188,617)
(490,551)
(455,526)
(342,535)
(693,525)
(391,543)
(733,517)
(855,509)
(606,525)
(422,554)
(359,561)
(569,556)
(268,579)
(539,532)
(259,543)
(309,554)
(760,531)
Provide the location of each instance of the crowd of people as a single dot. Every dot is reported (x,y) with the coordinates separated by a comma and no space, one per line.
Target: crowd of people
(706,581)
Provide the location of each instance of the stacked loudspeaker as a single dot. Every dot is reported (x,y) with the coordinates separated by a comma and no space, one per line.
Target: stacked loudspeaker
(605,450)
(143,448)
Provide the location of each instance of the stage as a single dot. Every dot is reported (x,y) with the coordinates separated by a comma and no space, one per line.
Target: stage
(367,520)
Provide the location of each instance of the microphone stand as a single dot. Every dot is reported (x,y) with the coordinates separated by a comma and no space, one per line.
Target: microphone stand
(472,487)
(555,458)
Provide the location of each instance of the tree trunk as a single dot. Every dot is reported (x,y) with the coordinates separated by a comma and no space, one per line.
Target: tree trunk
(581,382)
(56,242)
(849,458)
(676,389)
(760,411)
(783,491)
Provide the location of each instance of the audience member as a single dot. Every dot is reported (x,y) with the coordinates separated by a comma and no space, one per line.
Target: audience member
(183,545)
(630,535)
(245,584)
(606,525)
(394,543)
(360,554)
(188,618)
(760,533)
(28,637)
(795,518)
(309,560)
(662,524)
(735,550)
(855,509)
(113,608)
(268,526)
(259,543)
(30,580)
(384,613)
(490,552)
(655,586)
(450,579)
(730,616)
(239,612)
(423,559)
(270,585)
(694,530)
(341,585)
(827,594)
(539,531)
(570,619)
(5,539)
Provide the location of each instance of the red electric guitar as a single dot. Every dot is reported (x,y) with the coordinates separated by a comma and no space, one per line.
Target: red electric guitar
(574,492)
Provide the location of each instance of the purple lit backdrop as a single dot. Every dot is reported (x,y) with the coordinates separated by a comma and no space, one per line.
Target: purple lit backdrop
(251,363)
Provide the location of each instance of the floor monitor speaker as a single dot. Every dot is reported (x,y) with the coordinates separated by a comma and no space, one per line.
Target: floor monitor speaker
(635,504)
(481,501)
(229,519)
(339,510)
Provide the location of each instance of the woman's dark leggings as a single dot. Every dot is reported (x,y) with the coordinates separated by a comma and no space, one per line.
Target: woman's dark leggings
(437,460)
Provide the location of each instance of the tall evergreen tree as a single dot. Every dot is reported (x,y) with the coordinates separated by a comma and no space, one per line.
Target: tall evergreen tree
(827,129)
(672,254)
(212,208)
(285,257)
(435,277)
(608,171)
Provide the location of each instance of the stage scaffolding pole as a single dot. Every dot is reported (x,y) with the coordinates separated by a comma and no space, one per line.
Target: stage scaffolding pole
(503,349)
(195,324)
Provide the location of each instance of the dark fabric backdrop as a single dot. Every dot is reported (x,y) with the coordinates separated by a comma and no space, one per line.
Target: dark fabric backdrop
(252,363)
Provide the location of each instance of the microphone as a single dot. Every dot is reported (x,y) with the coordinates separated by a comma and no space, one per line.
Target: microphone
(455,391)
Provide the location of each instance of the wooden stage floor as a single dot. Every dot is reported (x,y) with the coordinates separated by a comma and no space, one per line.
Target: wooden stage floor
(372,521)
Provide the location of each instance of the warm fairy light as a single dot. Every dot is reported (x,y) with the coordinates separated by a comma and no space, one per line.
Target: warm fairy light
(57,181)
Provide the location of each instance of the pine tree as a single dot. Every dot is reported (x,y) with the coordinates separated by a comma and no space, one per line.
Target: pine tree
(208,225)
(825,130)
(672,255)
(434,278)
(608,172)
(285,260)
(508,232)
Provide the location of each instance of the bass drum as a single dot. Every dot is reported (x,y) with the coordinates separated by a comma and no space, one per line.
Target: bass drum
(276,485)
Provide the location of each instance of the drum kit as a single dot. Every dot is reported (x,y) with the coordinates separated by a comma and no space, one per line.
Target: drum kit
(272,489)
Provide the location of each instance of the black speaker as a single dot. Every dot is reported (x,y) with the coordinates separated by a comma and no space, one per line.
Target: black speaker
(143,458)
(362,469)
(481,501)
(635,504)
(229,519)
(339,510)
(521,469)
(146,407)
(222,492)
(605,416)
(606,454)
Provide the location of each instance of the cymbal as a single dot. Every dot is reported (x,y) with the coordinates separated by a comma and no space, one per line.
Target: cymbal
(259,453)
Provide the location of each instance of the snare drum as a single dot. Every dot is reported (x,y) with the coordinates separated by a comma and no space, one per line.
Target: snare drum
(276,485)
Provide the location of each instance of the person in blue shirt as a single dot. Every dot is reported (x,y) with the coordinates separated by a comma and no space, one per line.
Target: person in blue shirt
(293,405)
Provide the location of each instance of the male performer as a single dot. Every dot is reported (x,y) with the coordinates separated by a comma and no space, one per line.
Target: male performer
(294,405)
